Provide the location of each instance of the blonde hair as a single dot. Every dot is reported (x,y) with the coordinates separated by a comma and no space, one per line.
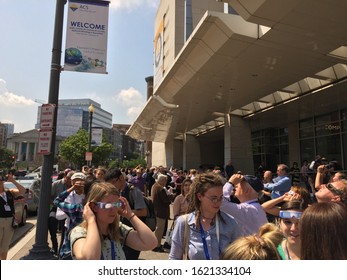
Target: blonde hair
(261,246)
(98,191)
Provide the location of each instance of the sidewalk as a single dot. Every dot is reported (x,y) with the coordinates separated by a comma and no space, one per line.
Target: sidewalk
(27,240)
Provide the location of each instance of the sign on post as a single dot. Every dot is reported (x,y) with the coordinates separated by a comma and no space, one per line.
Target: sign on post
(89,156)
(45,141)
(46,129)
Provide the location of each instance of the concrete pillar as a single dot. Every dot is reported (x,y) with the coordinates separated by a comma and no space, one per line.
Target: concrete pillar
(294,147)
(27,152)
(149,150)
(169,152)
(178,154)
(162,153)
(238,144)
(19,157)
(227,139)
(191,152)
(18,152)
(35,150)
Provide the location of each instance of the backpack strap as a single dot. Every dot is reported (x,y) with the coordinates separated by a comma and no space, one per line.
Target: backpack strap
(186,237)
(10,201)
(127,194)
(131,195)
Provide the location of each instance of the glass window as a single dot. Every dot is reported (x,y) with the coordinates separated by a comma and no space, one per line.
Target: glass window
(328,118)
(328,129)
(306,123)
(344,126)
(344,145)
(307,149)
(256,134)
(306,132)
(329,146)
(269,149)
(284,154)
(284,140)
(344,115)
(256,147)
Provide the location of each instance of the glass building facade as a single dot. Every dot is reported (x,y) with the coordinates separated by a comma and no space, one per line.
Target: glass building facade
(324,135)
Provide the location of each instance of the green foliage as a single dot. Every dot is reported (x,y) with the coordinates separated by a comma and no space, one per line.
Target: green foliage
(127,163)
(7,158)
(134,162)
(75,147)
(114,164)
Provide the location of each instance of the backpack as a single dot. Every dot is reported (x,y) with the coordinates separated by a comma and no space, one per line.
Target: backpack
(150,220)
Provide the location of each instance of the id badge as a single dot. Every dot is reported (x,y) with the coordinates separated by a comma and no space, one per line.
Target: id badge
(7,207)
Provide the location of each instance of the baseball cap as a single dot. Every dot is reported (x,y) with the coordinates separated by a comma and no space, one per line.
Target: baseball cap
(254,182)
(78,175)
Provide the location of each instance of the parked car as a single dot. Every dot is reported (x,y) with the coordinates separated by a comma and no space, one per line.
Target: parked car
(34,175)
(32,193)
(20,205)
(20,173)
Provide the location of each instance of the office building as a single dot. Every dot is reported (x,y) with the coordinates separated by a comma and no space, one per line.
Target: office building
(247,81)
(6,129)
(73,114)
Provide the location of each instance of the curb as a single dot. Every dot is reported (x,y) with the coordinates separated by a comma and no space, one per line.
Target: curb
(22,231)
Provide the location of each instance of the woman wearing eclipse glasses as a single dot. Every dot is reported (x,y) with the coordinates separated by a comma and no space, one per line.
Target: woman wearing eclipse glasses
(288,221)
(101,235)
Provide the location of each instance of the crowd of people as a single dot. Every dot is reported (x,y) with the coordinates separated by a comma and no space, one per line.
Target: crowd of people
(217,214)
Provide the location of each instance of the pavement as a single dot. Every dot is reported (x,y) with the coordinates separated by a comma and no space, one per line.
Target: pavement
(24,239)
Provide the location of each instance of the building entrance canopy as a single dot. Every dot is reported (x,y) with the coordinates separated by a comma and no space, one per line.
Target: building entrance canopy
(275,52)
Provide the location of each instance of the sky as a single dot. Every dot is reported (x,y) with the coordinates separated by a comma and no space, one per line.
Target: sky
(26,39)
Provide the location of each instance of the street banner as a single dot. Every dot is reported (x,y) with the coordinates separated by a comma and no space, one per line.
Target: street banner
(86,36)
(96,136)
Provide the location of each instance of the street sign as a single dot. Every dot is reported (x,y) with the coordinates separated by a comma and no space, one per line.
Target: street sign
(47,115)
(89,156)
(45,141)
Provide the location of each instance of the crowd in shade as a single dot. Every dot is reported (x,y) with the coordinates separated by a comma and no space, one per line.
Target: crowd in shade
(296,213)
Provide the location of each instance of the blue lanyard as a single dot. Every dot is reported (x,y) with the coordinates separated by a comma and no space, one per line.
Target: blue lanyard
(113,252)
(202,232)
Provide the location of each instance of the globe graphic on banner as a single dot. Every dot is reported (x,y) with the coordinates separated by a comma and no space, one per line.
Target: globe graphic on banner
(73,56)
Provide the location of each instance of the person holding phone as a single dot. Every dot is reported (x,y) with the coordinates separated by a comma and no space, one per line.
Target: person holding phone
(101,235)
(7,212)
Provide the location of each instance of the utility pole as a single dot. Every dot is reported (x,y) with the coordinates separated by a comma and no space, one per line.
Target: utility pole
(41,250)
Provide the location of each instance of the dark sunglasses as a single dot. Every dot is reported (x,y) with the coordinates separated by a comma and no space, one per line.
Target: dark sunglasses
(334,190)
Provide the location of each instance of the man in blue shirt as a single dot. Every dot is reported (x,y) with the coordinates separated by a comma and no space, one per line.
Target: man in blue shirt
(281,184)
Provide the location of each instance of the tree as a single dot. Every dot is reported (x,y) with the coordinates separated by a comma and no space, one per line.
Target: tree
(75,147)
(7,158)
(134,162)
